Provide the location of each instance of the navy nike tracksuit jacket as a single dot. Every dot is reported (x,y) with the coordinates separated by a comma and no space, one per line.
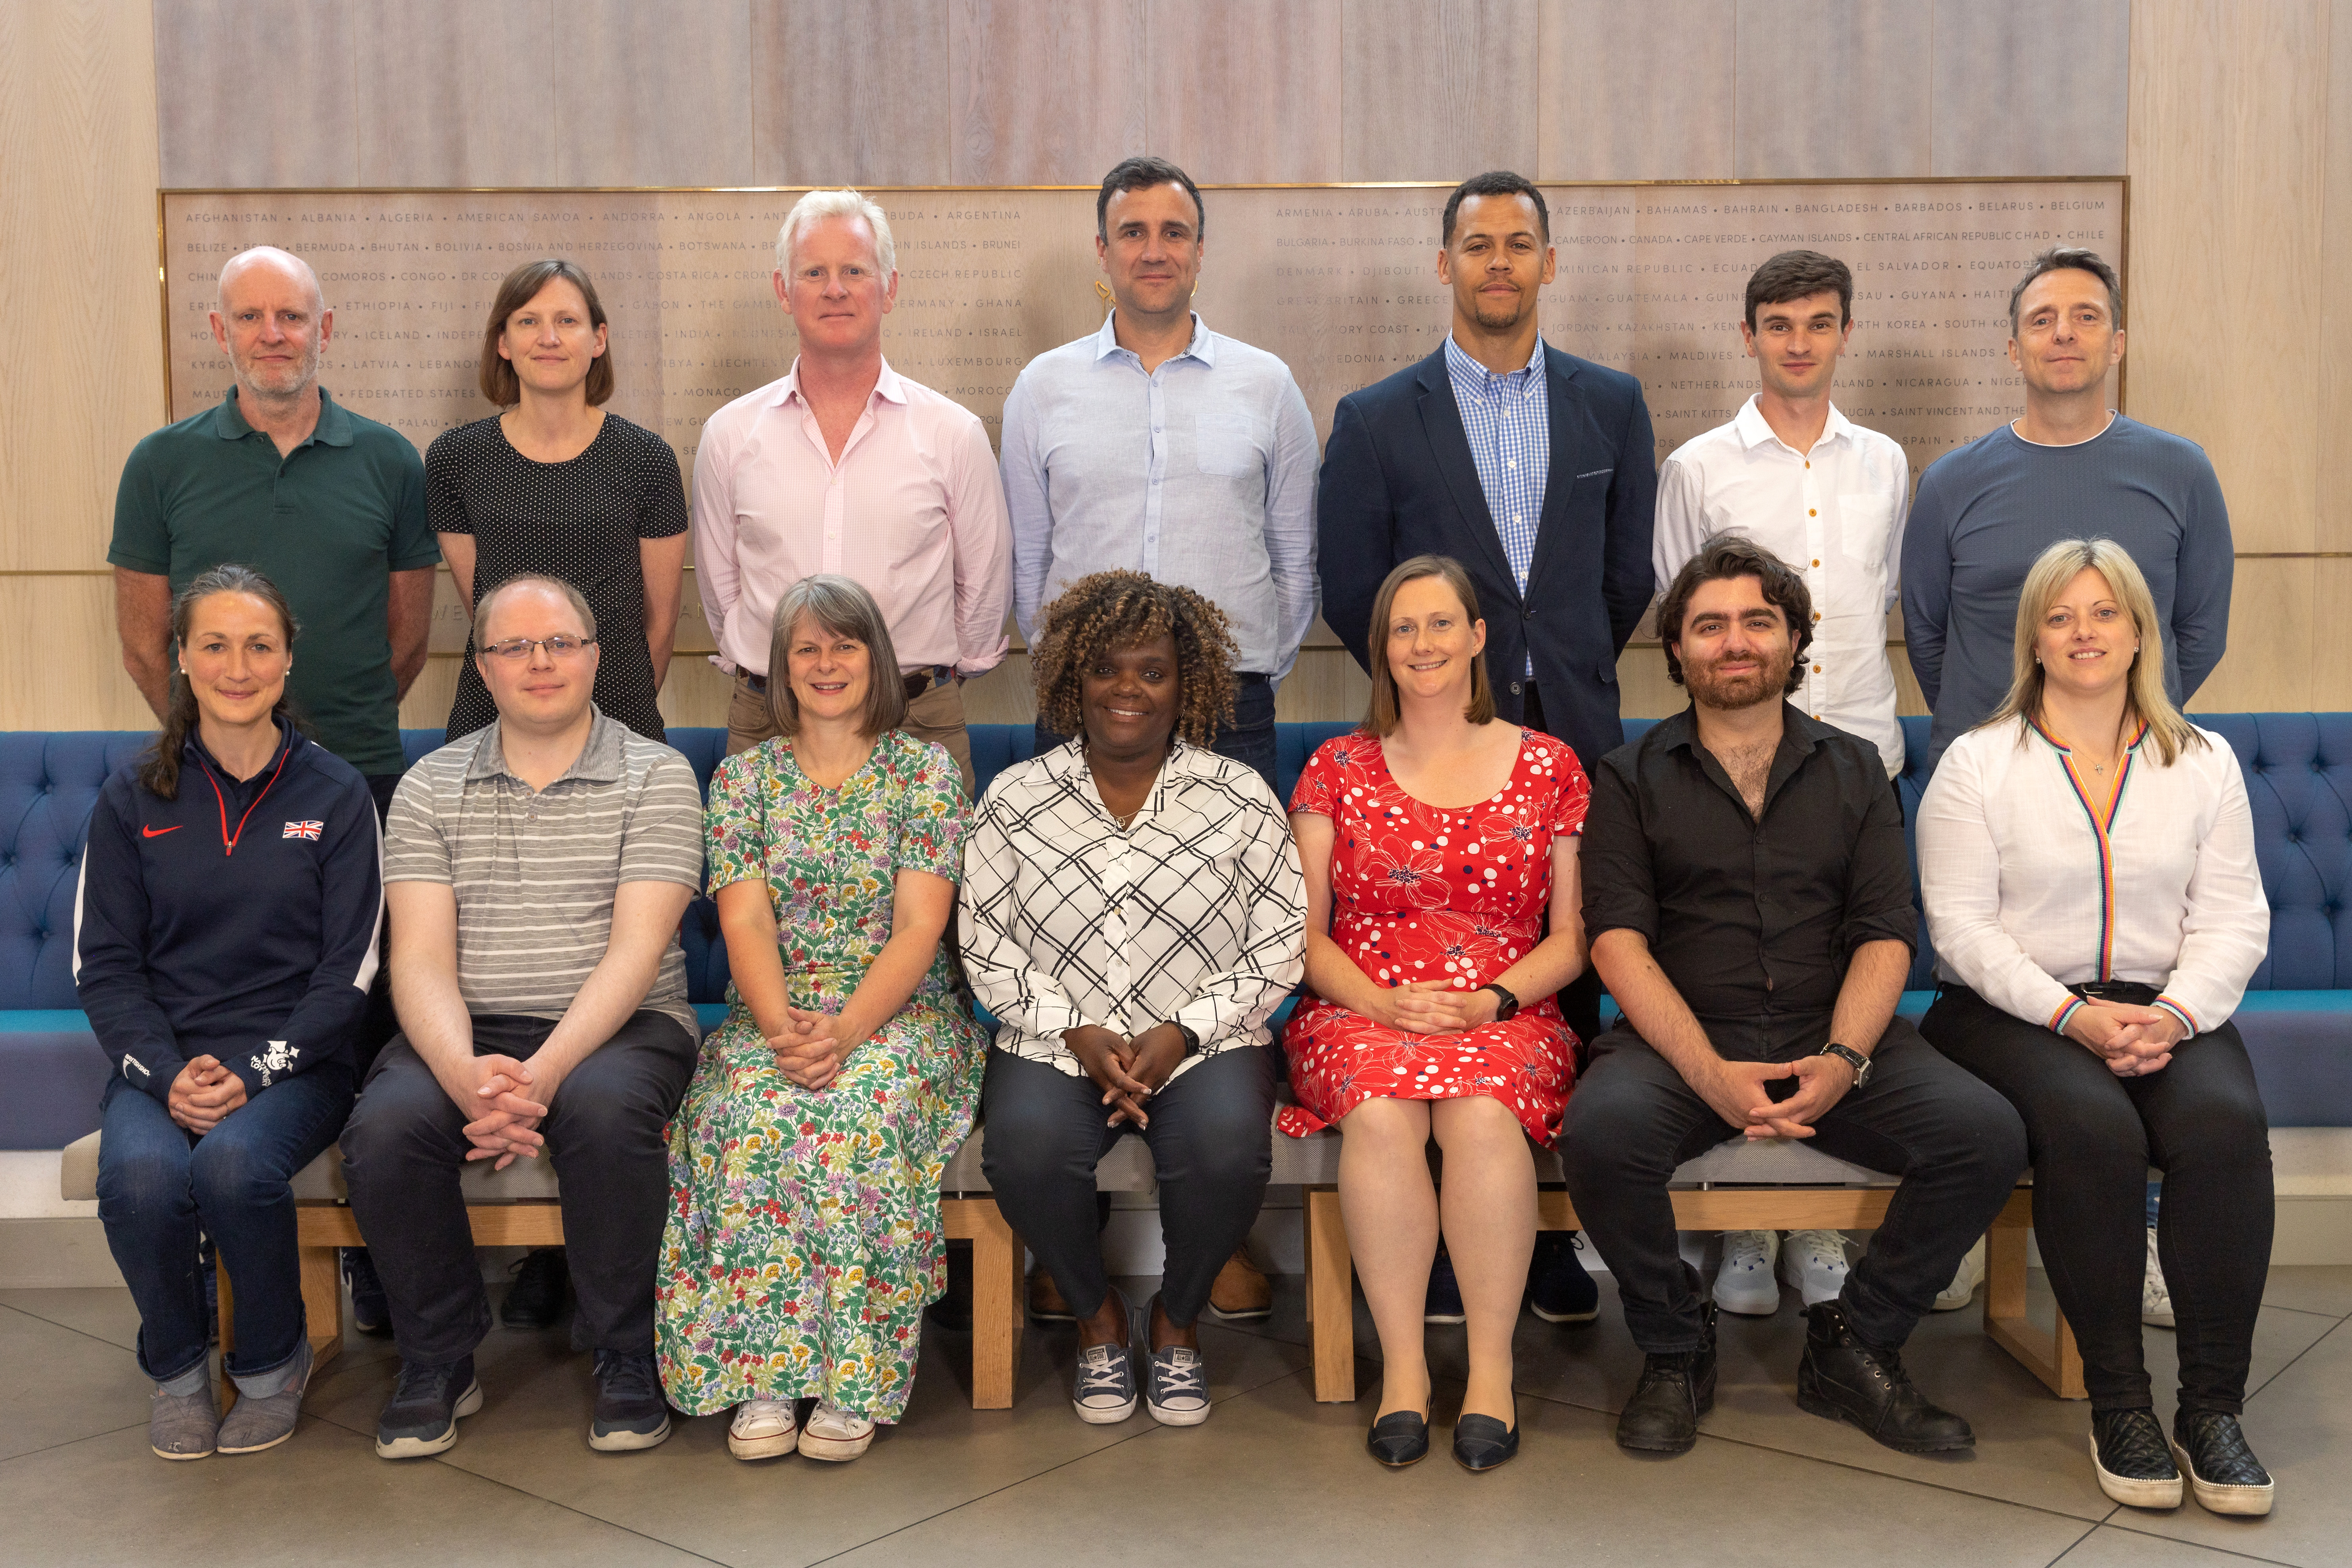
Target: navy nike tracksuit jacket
(238,922)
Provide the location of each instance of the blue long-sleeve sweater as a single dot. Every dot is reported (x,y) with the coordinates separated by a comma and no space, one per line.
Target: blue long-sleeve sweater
(237,921)
(1987,509)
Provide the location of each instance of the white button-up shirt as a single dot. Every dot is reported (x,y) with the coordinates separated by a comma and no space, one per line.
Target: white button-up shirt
(1836,515)
(2038,874)
(913,511)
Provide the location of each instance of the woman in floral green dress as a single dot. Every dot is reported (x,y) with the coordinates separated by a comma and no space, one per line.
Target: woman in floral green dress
(804,1236)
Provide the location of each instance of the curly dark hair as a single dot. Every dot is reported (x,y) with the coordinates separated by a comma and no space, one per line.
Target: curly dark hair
(1111,610)
(1729,555)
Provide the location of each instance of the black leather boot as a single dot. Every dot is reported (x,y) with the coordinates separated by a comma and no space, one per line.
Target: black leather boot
(1846,1380)
(2223,1473)
(1676,1390)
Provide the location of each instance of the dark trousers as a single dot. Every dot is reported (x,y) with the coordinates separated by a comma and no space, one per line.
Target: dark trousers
(1248,740)
(1957,1145)
(2092,1137)
(1209,1144)
(407,1144)
(1579,1000)
(159,1184)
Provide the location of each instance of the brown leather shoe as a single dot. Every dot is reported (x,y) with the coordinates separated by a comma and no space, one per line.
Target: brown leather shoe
(1240,1291)
(1045,1303)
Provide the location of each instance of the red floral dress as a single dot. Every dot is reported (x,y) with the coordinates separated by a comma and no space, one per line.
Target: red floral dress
(1423,894)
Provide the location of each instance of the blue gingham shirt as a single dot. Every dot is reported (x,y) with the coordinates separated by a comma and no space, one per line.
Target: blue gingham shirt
(1508,420)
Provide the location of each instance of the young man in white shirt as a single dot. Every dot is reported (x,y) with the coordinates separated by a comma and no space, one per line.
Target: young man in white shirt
(1828,497)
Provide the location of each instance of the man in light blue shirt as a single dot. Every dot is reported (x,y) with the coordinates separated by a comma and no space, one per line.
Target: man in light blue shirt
(1159,447)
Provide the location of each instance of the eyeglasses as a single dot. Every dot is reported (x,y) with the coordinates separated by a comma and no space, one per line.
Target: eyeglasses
(557,647)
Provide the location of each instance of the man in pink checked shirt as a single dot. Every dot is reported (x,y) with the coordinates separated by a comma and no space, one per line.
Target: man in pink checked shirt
(844,465)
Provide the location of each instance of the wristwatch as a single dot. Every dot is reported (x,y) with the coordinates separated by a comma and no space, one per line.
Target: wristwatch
(1192,1040)
(1853,1059)
(1508,1005)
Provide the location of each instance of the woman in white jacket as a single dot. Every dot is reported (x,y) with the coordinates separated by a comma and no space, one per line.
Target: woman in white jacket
(2086,857)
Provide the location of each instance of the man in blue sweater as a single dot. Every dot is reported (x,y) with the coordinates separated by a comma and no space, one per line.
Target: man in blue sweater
(2071,468)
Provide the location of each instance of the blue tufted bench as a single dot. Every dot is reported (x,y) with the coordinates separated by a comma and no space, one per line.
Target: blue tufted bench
(2295,1019)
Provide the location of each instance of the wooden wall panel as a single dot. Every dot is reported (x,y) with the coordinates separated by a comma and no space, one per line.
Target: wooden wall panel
(1636,92)
(657,95)
(2333,524)
(1046,92)
(45,687)
(2229,131)
(2024,86)
(1831,88)
(81,372)
(1247,91)
(850,95)
(460,92)
(256,92)
(1438,90)
(2270,666)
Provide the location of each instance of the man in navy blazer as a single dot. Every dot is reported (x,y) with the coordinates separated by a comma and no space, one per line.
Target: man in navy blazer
(1544,492)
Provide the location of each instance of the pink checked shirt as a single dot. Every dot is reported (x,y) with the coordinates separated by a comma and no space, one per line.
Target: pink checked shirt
(914,511)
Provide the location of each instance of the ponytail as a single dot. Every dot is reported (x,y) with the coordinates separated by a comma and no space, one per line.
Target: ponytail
(159,771)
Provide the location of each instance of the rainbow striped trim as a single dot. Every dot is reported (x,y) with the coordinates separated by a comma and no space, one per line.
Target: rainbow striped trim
(2102,824)
(2066,1011)
(2187,1019)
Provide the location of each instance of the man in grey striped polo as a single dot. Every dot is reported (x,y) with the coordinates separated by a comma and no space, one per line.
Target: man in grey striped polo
(536,873)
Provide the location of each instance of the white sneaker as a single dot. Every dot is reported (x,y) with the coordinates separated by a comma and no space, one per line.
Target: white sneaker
(761,1430)
(1745,1283)
(2155,1295)
(1815,1262)
(833,1433)
(1963,1287)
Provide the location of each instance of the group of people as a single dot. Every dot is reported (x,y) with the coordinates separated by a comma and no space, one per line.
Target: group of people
(752,1220)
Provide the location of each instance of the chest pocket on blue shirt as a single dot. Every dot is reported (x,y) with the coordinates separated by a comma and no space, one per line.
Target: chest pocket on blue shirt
(1223,445)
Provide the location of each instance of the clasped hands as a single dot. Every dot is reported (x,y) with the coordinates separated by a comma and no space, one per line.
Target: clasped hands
(512,1097)
(1736,1090)
(811,1047)
(1129,1071)
(2133,1041)
(1437,1008)
(203,1093)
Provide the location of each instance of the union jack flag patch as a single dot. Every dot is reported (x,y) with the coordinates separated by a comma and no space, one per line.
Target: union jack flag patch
(304,830)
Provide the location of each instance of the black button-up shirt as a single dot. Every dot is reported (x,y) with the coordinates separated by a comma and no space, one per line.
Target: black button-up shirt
(1753,919)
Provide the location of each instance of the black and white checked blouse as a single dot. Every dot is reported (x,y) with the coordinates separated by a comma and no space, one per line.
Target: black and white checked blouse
(1195,913)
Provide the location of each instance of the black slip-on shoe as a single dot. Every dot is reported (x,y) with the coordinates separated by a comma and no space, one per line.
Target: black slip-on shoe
(2135,1467)
(1481,1442)
(421,1417)
(1398,1438)
(2223,1471)
(1845,1380)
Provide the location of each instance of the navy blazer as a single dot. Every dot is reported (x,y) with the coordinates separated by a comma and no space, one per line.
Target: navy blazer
(1399,481)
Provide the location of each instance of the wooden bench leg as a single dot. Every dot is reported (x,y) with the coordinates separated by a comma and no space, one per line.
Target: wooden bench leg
(2052,1357)
(998,1312)
(1330,1297)
(323,1303)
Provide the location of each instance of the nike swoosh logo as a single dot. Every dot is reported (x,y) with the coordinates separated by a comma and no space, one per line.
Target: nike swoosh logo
(158,832)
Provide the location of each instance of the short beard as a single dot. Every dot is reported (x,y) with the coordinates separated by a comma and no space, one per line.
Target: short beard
(303,379)
(1496,318)
(1732,693)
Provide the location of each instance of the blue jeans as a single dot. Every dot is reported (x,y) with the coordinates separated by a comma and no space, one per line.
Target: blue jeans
(159,1184)
(1248,740)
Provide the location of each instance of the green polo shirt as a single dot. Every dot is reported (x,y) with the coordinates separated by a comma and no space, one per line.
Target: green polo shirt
(329,523)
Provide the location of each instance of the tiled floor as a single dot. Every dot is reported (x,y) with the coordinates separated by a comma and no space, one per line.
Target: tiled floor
(1272,1474)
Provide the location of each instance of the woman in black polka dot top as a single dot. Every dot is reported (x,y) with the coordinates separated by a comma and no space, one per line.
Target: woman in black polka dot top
(556,485)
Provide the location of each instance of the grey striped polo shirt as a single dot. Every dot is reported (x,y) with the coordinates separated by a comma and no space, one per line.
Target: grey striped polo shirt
(535,873)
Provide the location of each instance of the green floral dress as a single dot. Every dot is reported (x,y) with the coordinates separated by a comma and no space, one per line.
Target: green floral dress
(804,1238)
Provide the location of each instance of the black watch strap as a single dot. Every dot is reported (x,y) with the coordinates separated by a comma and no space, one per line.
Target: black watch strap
(1192,1040)
(1508,1006)
(1853,1059)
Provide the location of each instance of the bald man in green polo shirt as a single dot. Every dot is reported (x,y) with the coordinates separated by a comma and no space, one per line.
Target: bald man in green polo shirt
(282,477)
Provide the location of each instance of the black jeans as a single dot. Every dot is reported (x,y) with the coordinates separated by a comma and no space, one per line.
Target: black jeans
(1957,1145)
(1248,740)
(2093,1136)
(1209,1138)
(405,1145)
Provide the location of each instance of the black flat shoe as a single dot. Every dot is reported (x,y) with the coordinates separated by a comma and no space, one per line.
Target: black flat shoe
(1482,1442)
(2224,1474)
(1398,1438)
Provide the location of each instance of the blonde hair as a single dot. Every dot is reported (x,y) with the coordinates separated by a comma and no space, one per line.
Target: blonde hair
(818,205)
(1382,715)
(2145,695)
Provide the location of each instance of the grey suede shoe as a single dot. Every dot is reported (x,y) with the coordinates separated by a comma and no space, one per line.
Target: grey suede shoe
(182,1425)
(253,1424)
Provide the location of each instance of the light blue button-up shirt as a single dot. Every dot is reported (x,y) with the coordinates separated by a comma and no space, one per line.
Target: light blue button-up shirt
(1201,473)
(1508,420)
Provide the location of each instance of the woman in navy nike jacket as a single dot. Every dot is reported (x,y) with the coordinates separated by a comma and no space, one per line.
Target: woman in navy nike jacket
(225,936)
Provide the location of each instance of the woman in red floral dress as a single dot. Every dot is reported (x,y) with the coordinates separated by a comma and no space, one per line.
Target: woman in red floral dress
(1435,840)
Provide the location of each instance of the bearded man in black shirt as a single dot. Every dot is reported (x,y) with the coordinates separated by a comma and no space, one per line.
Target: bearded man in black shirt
(1749,900)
